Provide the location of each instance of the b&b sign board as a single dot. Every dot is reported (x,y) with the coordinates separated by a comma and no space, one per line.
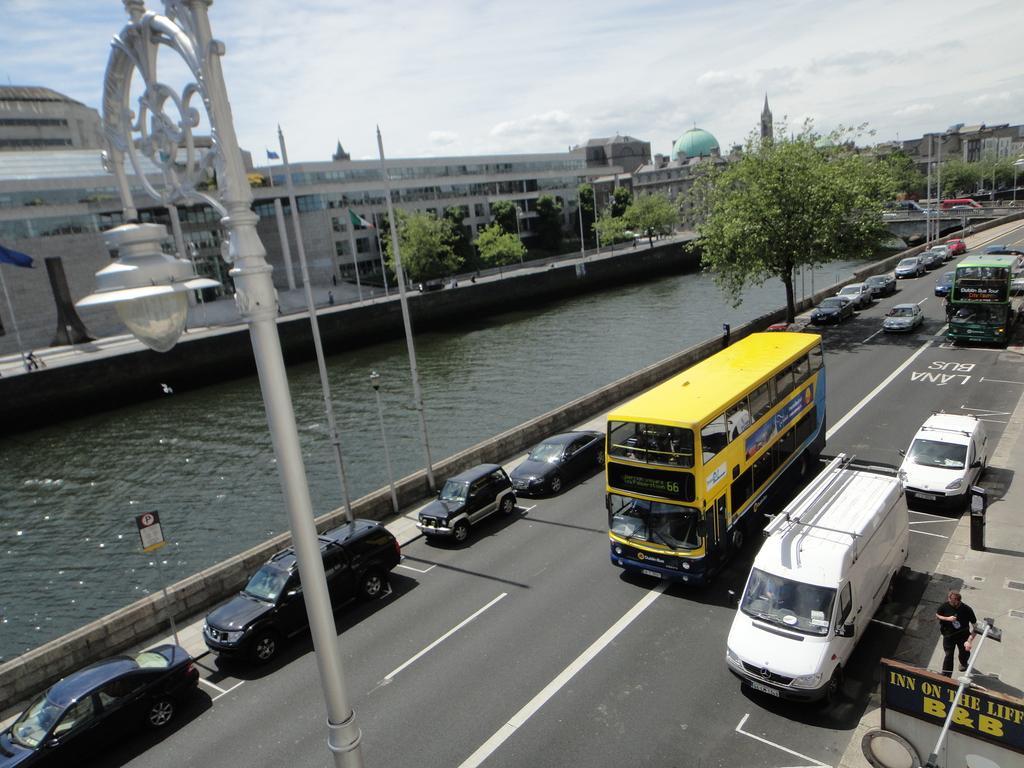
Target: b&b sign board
(927,696)
(150,533)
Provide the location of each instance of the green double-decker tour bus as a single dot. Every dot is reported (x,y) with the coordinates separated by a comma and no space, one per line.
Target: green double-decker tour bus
(981,305)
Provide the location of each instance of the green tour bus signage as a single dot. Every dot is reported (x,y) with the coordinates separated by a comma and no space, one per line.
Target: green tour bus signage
(662,484)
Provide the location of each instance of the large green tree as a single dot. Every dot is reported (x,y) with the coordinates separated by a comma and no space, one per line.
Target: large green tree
(958,178)
(910,182)
(463,245)
(549,223)
(651,215)
(612,229)
(587,209)
(794,201)
(427,243)
(499,248)
(504,214)
(621,200)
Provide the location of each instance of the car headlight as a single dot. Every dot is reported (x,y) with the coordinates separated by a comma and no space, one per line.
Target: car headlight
(902,475)
(235,636)
(955,484)
(807,681)
(732,658)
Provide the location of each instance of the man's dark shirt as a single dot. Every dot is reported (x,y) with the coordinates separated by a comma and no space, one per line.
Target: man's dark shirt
(964,615)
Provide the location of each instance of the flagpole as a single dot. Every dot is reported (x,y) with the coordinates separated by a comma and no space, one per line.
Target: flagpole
(352,247)
(325,386)
(380,250)
(417,394)
(14,320)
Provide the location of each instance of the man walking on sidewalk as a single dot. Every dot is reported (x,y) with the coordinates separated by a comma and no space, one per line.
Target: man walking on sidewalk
(957,625)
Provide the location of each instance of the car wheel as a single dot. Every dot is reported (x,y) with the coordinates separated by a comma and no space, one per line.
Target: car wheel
(508,504)
(461,531)
(835,686)
(160,712)
(264,646)
(555,484)
(372,584)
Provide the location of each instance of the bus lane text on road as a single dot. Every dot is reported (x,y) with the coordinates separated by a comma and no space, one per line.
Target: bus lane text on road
(941,372)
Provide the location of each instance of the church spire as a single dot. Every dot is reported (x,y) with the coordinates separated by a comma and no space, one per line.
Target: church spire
(767,128)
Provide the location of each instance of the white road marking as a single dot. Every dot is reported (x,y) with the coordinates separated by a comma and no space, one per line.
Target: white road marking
(867,399)
(929,514)
(887,624)
(869,338)
(787,750)
(221,691)
(1001,381)
(442,638)
(526,509)
(523,715)
(418,570)
(925,533)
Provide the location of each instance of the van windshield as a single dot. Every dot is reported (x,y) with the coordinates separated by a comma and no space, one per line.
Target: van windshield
(803,607)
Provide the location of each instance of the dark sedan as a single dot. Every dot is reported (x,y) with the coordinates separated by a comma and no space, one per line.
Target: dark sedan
(96,706)
(882,285)
(558,459)
(834,309)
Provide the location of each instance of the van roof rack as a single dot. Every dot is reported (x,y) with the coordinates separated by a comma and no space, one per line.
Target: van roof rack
(815,496)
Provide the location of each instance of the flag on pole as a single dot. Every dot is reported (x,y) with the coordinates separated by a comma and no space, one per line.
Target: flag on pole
(358,221)
(18,259)
(273,155)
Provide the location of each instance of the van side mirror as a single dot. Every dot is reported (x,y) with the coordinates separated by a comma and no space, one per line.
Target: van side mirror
(976,463)
(902,453)
(846,630)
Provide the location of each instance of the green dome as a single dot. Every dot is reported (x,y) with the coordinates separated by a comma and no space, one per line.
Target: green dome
(696,142)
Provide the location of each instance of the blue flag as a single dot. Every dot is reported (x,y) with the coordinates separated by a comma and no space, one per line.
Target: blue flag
(18,259)
(273,155)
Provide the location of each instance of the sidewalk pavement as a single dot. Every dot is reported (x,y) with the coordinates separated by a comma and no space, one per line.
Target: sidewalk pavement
(992,583)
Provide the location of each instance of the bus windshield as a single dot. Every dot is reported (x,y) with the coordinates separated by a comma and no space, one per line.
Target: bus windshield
(673,526)
(651,443)
(793,604)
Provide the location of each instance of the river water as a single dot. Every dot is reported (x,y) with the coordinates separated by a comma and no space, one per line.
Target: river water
(69,493)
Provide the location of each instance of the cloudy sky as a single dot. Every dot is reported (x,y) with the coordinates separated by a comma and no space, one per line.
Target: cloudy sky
(465,77)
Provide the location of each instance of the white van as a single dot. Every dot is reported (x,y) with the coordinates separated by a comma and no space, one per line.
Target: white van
(829,560)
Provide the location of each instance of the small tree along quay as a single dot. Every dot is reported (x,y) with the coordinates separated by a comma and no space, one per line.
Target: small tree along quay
(428,246)
(504,214)
(498,248)
(549,223)
(650,215)
(790,202)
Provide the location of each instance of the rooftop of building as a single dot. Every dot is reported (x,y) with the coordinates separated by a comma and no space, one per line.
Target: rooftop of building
(34,93)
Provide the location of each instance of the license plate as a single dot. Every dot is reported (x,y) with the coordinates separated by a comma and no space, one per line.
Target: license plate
(764,688)
(655,574)
(926,496)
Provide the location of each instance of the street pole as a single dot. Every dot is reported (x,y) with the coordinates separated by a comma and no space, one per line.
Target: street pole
(928,210)
(375,383)
(583,253)
(417,394)
(185,30)
(318,345)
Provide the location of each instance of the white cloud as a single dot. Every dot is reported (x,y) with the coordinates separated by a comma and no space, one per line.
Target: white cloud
(455,78)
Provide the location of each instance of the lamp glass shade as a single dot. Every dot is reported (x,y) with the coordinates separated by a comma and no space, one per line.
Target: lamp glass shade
(156,321)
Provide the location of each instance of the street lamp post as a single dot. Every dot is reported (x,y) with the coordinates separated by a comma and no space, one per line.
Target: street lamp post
(144,289)
(375,383)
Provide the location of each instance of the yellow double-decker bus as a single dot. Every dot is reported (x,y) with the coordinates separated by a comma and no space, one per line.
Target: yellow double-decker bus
(689,463)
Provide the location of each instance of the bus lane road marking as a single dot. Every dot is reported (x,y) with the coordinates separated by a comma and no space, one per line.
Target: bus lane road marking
(523,715)
(871,395)
(390,675)
(787,750)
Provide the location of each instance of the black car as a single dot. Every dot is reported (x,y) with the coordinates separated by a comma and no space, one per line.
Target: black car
(357,558)
(558,459)
(944,284)
(834,309)
(95,707)
(465,500)
(882,285)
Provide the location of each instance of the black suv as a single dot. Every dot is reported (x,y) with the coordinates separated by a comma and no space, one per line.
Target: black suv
(357,558)
(466,499)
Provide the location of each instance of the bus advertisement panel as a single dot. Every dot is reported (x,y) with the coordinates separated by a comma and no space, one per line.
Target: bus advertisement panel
(690,462)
